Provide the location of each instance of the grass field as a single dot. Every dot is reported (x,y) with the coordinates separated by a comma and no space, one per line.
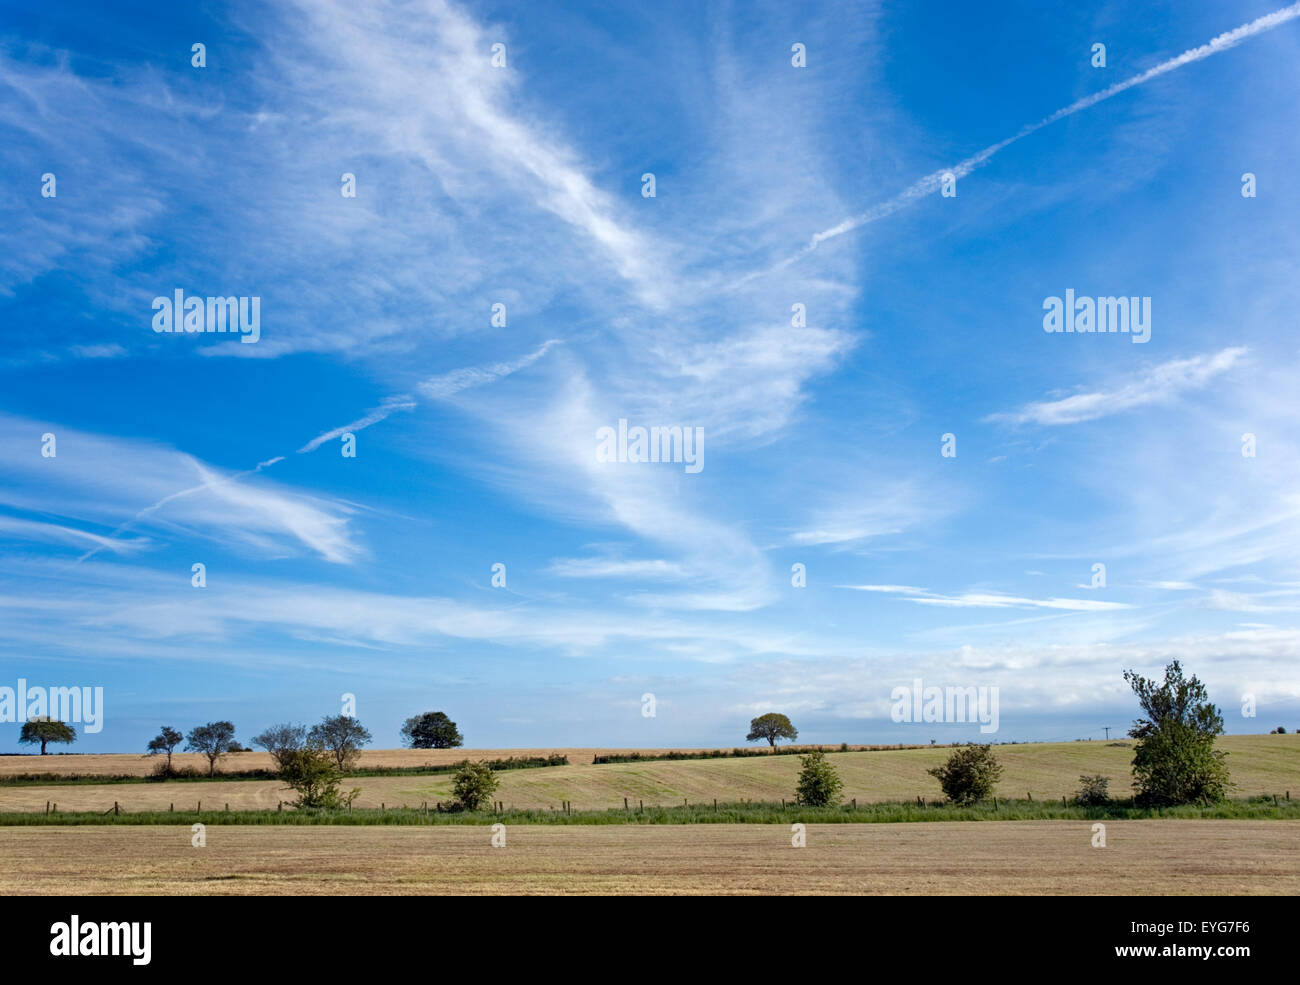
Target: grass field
(1047,771)
(1155,857)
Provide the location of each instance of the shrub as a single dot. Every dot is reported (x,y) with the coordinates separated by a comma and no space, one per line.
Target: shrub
(819,785)
(473,785)
(161,771)
(1092,791)
(1279,730)
(311,773)
(969,775)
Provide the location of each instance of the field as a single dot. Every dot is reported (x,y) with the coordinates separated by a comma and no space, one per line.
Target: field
(1039,857)
(1045,771)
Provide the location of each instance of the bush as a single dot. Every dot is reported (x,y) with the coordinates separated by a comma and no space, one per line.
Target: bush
(473,785)
(1279,730)
(162,772)
(313,776)
(969,775)
(819,785)
(1092,791)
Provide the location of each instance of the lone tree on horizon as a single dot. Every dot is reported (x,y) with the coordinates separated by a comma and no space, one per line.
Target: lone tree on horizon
(214,740)
(432,730)
(44,729)
(771,727)
(165,741)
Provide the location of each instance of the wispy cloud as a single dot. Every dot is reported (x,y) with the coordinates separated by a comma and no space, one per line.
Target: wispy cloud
(989,600)
(104,480)
(615,568)
(1160,385)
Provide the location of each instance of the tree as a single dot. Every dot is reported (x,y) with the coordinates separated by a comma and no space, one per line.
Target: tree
(343,736)
(282,741)
(165,741)
(432,730)
(819,784)
(213,740)
(44,729)
(473,785)
(311,772)
(771,727)
(969,775)
(1175,761)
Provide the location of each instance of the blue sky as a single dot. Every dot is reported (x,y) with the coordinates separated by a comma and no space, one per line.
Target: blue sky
(775,186)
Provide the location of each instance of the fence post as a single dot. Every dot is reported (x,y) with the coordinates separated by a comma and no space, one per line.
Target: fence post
(1030,796)
(47,807)
(1063,803)
(227,807)
(640,806)
(855,803)
(624,803)
(115,808)
(171,807)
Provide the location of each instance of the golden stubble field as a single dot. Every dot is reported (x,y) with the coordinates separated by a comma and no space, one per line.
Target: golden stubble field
(986,858)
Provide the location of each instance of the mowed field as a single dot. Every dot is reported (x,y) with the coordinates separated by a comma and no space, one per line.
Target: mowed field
(1047,771)
(1153,857)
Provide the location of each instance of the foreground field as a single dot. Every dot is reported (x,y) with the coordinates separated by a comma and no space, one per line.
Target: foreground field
(1012,858)
(1045,771)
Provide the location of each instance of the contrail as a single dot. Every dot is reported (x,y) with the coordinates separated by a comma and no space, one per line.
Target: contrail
(389,405)
(930,183)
